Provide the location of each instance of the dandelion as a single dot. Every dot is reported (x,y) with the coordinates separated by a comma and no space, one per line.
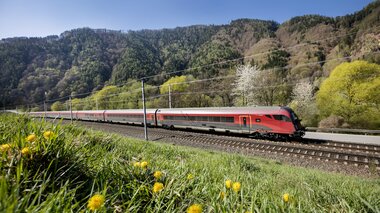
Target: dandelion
(144,164)
(228,184)
(157,174)
(157,187)
(5,147)
(190,176)
(25,151)
(48,135)
(195,208)
(137,164)
(95,202)
(222,195)
(31,137)
(285,197)
(236,186)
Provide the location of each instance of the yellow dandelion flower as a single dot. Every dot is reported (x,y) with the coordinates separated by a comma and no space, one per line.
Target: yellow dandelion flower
(144,164)
(190,176)
(31,137)
(222,195)
(195,208)
(236,186)
(137,164)
(157,187)
(95,202)
(25,151)
(228,184)
(48,134)
(286,197)
(157,174)
(5,147)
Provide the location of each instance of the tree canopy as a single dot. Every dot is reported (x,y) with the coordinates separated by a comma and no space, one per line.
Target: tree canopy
(352,91)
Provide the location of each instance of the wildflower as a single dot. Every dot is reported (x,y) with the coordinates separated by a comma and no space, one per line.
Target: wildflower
(25,151)
(157,174)
(31,137)
(190,176)
(222,195)
(236,186)
(137,164)
(285,197)
(95,202)
(157,187)
(228,184)
(5,147)
(195,208)
(48,135)
(144,164)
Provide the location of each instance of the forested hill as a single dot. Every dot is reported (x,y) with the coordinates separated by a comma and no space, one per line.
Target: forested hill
(84,60)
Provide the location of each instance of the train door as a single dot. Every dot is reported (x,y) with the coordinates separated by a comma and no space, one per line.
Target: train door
(245,123)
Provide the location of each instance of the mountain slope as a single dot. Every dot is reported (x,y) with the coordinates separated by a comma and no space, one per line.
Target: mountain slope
(83,60)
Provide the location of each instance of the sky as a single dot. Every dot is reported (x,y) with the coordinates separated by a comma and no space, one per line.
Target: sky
(40,18)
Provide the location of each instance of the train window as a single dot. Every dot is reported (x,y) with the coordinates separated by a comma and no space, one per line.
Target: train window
(215,119)
(191,118)
(230,119)
(258,120)
(286,118)
(268,116)
(204,118)
(282,118)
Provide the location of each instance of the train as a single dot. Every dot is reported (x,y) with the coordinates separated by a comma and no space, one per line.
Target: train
(259,122)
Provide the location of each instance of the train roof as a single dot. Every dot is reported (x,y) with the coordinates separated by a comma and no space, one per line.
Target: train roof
(131,111)
(225,110)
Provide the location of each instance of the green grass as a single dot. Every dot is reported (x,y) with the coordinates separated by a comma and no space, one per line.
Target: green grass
(61,173)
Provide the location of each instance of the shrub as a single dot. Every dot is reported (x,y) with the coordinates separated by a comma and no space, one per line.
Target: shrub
(333,121)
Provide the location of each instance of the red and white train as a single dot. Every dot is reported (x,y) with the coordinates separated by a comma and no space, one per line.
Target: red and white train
(270,122)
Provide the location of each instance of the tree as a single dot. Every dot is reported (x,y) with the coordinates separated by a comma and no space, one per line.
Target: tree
(58,106)
(244,84)
(352,91)
(260,87)
(103,97)
(215,54)
(304,103)
(177,84)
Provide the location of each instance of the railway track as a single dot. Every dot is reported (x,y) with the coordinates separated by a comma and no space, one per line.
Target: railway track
(337,152)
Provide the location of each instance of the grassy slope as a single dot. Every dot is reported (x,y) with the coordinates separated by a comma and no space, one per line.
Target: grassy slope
(63,172)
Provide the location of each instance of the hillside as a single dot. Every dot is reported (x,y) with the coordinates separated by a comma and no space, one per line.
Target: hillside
(84,60)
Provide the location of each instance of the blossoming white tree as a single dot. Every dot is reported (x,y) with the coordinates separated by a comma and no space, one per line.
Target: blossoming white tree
(304,102)
(244,84)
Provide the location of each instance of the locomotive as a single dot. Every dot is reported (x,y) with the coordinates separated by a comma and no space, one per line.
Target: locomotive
(264,122)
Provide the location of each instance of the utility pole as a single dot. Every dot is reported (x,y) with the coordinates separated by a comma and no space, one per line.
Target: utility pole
(96,102)
(71,109)
(45,107)
(170,97)
(144,107)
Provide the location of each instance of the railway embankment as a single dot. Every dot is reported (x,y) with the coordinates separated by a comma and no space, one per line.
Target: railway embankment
(68,168)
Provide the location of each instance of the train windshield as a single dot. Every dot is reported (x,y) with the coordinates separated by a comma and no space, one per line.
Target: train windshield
(294,116)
